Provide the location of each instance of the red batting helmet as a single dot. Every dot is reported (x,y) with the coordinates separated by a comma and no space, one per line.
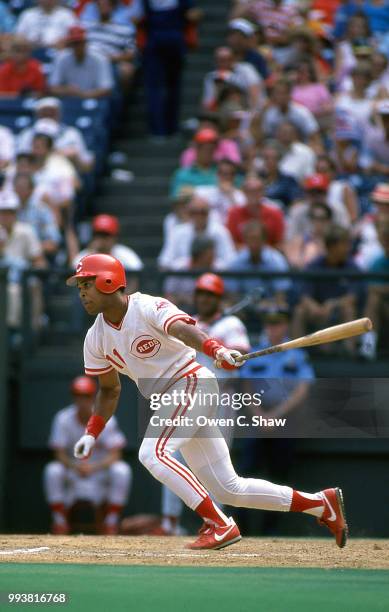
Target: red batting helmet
(108,272)
(82,385)
(210,282)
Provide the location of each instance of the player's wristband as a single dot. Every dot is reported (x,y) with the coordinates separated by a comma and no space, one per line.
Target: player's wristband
(95,425)
(210,346)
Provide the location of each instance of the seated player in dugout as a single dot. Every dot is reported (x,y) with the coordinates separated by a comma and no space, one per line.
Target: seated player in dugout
(154,343)
(103,480)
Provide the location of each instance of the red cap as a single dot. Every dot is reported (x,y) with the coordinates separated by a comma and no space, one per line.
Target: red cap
(206,135)
(82,385)
(76,34)
(107,224)
(210,282)
(317,181)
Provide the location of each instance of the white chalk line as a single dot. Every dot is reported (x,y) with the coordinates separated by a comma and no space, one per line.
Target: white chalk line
(21,551)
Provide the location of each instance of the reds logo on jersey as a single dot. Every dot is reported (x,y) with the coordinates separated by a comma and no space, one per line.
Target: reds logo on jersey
(145,346)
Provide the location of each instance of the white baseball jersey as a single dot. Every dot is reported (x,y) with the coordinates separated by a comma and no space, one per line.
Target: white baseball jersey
(140,345)
(67,429)
(231,333)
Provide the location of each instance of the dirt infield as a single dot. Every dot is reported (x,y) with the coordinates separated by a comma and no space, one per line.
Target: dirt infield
(149,550)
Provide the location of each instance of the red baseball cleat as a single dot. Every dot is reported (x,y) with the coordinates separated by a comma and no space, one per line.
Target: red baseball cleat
(334,515)
(60,529)
(215,537)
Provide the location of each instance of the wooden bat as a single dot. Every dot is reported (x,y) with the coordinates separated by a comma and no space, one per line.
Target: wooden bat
(329,334)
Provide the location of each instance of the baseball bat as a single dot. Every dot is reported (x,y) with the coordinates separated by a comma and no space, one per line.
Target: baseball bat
(329,334)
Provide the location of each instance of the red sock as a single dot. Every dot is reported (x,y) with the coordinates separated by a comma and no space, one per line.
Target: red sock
(311,503)
(112,515)
(209,512)
(58,508)
(59,513)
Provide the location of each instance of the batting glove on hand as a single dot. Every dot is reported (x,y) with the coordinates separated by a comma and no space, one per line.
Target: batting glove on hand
(84,446)
(226,359)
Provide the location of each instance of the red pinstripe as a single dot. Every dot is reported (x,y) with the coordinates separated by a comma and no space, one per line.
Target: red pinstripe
(114,362)
(172,463)
(96,372)
(177,317)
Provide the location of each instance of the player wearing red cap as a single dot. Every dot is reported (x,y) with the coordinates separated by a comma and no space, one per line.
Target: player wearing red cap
(102,478)
(154,343)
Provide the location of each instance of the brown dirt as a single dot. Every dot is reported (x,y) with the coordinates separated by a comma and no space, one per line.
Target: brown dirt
(153,550)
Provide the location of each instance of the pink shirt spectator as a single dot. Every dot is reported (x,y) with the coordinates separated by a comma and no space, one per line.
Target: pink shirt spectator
(314,96)
(226,149)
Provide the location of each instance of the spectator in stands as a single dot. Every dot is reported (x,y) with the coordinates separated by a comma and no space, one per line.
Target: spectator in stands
(356,103)
(257,208)
(122,13)
(106,229)
(7,147)
(20,74)
(357,28)
(200,224)
(179,214)
(226,148)
(104,478)
(229,70)
(316,189)
(37,214)
(341,195)
(257,256)
(277,18)
(223,196)
(379,86)
(115,41)
(309,92)
(69,140)
(282,108)
(203,170)
(377,306)
(163,60)
(326,302)
(241,38)
(365,230)
(278,186)
(179,289)
(45,25)
(20,249)
(305,247)
(54,175)
(79,72)
(298,159)
(375,142)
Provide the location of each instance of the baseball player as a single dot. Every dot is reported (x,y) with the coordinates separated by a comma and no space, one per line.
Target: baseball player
(154,343)
(231,332)
(103,478)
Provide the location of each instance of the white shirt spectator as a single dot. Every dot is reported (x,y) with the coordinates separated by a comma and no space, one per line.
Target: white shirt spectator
(297,114)
(45,29)
(69,139)
(57,179)
(130,260)
(220,202)
(179,243)
(7,146)
(244,75)
(299,161)
(22,243)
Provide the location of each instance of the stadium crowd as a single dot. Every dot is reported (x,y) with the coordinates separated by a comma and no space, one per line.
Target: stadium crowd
(288,167)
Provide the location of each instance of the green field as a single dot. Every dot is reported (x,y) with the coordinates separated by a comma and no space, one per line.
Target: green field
(111,588)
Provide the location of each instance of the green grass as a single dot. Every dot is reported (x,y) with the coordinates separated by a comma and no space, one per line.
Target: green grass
(113,588)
